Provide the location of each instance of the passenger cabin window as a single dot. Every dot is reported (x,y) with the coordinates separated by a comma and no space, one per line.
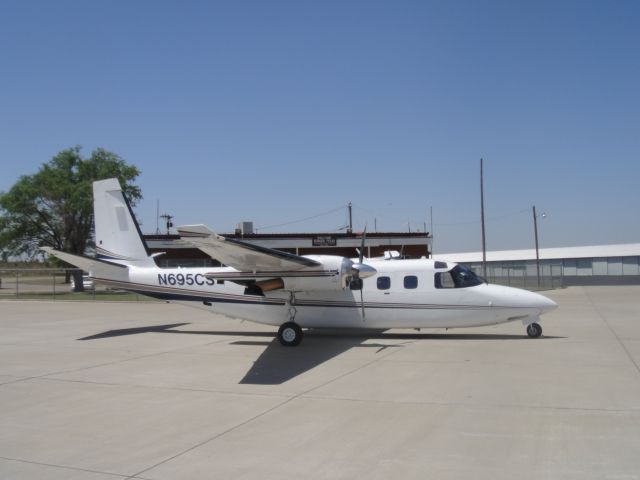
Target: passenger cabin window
(457,277)
(384,283)
(410,281)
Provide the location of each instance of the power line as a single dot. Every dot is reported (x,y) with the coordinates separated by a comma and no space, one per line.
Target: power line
(300,220)
(491,219)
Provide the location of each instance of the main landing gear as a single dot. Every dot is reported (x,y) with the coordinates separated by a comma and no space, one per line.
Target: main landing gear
(534,330)
(290,333)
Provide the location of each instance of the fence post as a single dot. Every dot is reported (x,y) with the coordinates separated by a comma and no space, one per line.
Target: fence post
(17,284)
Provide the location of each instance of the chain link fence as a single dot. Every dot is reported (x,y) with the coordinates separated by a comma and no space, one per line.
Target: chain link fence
(56,284)
(523,274)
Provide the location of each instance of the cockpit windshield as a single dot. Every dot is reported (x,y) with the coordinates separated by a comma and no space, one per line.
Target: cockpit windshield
(458,277)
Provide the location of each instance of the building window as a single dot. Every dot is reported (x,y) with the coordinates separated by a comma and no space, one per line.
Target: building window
(600,266)
(584,267)
(614,266)
(570,267)
(630,266)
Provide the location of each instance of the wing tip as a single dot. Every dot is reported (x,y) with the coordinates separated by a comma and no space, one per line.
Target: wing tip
(199,230)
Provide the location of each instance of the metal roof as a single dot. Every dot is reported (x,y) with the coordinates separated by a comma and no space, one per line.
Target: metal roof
(591,251)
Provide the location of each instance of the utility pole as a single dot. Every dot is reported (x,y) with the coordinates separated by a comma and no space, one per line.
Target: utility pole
(431,232)
(157,217)
(535,231)
(168,219)
(350,229)
(484,243)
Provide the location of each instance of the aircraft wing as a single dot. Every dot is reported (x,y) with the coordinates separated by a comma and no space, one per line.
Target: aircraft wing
(243,256)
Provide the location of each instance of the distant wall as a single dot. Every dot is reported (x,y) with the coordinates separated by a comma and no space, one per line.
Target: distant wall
(567,271)
(602,280)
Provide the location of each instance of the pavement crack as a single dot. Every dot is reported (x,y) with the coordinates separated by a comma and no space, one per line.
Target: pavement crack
(67,467)
(613,332)
(260,415)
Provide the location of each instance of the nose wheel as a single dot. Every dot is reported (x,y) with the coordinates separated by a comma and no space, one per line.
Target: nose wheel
(290,334)
(534,330)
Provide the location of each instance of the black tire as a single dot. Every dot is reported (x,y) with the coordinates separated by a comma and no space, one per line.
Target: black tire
(534,330)
(289,334)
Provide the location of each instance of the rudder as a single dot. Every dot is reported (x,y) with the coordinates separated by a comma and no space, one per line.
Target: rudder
(118,236)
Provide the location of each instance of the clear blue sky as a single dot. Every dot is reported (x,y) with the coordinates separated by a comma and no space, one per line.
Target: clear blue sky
(277,111)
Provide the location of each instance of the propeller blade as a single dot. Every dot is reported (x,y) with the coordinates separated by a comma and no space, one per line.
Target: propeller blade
(364,237)
(361,271)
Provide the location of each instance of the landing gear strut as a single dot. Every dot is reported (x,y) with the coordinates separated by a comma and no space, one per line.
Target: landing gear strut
(290,334)
(534,330)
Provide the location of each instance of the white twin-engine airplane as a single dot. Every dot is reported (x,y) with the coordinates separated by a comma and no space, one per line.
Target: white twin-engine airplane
(295,292)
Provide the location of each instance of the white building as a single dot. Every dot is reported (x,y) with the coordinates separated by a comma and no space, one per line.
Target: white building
(597,264)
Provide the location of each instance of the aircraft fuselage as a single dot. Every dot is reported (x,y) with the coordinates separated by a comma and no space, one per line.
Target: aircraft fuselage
(402,294)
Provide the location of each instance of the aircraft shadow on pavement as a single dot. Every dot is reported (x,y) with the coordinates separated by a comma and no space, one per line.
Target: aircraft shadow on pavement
(278,364)
(133,331)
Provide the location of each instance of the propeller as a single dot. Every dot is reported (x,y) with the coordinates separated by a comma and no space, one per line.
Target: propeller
(360,270)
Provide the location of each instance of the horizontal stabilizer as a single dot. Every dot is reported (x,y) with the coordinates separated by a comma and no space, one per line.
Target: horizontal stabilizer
(93,266)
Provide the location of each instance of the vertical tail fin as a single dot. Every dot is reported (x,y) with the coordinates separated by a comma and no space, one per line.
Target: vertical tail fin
(118,236)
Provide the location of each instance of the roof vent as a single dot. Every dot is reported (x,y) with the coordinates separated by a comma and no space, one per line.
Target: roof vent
(244,228)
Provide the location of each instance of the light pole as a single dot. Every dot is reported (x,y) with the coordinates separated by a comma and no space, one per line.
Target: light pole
(535,231)
(484,240)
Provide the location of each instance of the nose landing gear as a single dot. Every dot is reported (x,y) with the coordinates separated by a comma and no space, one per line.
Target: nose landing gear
(534,330)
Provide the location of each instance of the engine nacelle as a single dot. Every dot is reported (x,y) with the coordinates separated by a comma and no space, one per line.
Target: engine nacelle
(334,274)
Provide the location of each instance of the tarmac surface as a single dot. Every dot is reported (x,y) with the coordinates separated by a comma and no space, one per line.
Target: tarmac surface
(153,391)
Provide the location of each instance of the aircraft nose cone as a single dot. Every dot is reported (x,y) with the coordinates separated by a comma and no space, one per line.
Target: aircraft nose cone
(543,303)
(516,297)
(548,304)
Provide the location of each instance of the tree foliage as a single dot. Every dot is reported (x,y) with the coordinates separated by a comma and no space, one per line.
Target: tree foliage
(54,207)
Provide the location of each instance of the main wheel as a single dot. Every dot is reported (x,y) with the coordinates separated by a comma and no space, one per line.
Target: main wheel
(534,330)
(290,334)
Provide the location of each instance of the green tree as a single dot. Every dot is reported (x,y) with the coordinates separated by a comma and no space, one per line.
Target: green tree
(54,207)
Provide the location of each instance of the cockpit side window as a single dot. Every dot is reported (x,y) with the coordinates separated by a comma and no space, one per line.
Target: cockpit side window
(464,277)
(444,280)
(457,277)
